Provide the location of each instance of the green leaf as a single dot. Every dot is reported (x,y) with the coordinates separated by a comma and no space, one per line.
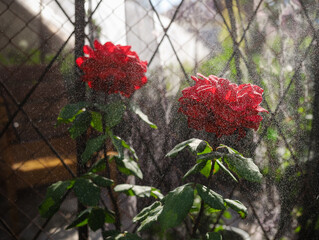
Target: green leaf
(145,212)
(177,204)
(81,219)
(69,112)
(113,112)
(227,214)
(213,236)
(155,193)
(210,156)
(87,192)
(128,167)
(196,145)
(92,146)
(211,198)
(230,150)
(53,198)
(216,168)
(98,166)
(149,215)
(136,190)
(237,206)
(109,216)
(212,210)
(206,170)
(96,219)
(226,170)
(128,147)
(196,168)
(143,116)
(204,148)
(244,167)
(201,147)
(120,144)
(96,121)
(100,181)
(80,124)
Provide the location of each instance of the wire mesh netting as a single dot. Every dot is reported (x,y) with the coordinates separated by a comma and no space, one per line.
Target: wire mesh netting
(272,44)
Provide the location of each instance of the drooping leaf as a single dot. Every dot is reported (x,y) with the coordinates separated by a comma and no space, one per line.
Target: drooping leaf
(53,198)
(92,146)
(80,124)
(196,168)
(100,180)
(226,170)
(195,145)
(113,112)
(213,236)
(96,121)
(69,112)
(237,206)
(211,198)
(120,144)
(81,219)
(176,206)
(244,167)
(143,116)
(129,167)
(96,218)
(87,192)
(145,211)
(149,215)
(136,190)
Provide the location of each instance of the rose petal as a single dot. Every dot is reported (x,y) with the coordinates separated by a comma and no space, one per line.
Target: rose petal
(219,106)
(112,68)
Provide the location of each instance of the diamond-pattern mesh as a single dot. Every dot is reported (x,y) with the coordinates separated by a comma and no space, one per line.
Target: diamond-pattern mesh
(269,43)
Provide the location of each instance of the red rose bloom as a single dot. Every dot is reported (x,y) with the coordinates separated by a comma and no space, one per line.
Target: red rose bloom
(112,68)
(217,105)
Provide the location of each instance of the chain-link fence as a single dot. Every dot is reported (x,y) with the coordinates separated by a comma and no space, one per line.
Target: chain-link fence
(269,43)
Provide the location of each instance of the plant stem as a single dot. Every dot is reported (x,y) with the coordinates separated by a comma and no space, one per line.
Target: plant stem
(113,199)
(109,189)
(197,221)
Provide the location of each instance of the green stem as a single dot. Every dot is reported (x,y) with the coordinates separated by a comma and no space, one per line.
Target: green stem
(110,191)
(201,211)
(197,221)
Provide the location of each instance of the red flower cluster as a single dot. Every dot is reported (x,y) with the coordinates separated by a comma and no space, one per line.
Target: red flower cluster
(217,105)
(112,68)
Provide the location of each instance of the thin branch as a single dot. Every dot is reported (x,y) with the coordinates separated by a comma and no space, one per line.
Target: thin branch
(242,38)
(199,216)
